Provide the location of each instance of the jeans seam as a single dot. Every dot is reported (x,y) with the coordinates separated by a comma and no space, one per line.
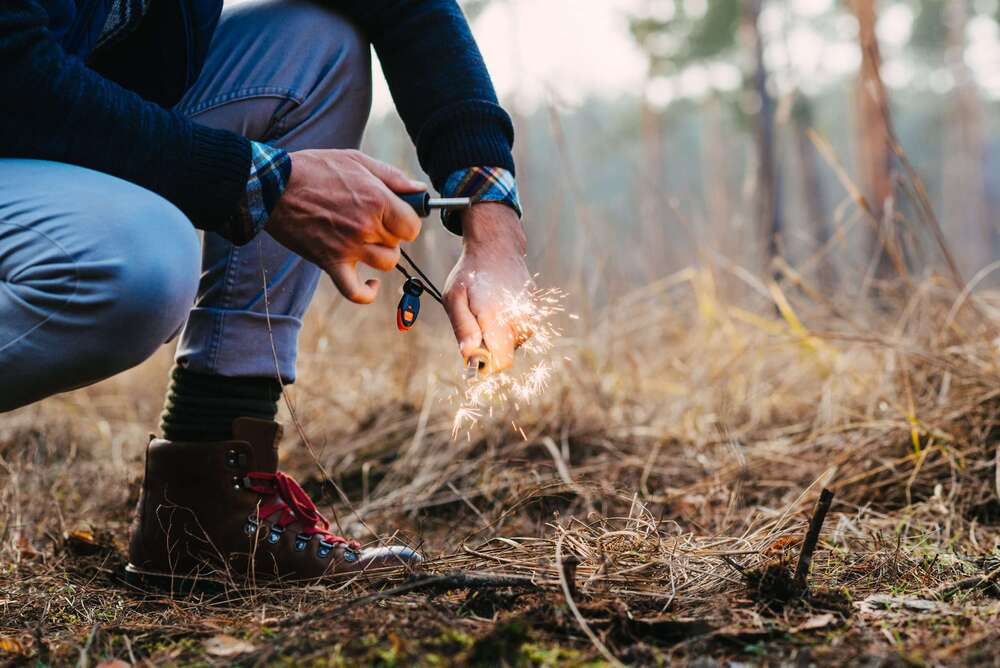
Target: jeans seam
(67,300)
(240,95)
(216,340)
(228,283)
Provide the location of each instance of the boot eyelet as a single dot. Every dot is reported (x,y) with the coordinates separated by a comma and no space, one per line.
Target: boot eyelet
(350,555)
(275,535)
(324,549)
(301,542)
(237,483)
(250,528)
(236,460)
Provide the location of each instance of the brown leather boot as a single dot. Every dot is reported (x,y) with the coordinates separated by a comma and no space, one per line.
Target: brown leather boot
(223,512)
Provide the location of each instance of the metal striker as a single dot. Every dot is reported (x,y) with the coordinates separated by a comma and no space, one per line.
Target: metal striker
(409,304)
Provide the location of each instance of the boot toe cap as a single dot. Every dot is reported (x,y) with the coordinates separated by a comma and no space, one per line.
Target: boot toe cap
(391,555)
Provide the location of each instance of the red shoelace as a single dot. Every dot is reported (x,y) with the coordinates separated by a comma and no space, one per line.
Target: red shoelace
(294,504)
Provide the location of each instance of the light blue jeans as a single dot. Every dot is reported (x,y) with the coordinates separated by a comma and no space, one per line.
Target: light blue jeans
(96,273)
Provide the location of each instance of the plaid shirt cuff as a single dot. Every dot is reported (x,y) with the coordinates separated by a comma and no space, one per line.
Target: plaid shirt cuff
(270,169)
(483,184)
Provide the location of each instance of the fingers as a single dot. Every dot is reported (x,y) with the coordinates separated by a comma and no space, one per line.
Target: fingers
(499,340)
(467,332)
(345,277)
(400,220)
(383,258)
(389,175)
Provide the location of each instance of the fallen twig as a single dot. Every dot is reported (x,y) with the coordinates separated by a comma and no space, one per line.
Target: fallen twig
(442,582)
(974,582)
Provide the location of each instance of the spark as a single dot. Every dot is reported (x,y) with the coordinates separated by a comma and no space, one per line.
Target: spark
(530,315)
(462,415)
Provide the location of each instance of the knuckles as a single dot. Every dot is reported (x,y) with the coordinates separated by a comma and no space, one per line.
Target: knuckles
(368,229)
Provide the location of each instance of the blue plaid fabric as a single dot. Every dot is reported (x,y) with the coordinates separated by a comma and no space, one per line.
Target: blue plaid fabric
(270,169)
(483,184)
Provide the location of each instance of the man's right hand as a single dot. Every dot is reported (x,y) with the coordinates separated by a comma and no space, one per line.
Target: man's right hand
(338,209)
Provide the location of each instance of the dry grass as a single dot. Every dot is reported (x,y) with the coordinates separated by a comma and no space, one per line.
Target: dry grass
(676,457)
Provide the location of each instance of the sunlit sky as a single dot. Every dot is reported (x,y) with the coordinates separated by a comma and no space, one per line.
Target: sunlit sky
(563,51)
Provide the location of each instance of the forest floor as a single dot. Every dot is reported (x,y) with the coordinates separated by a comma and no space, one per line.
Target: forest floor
(648,508)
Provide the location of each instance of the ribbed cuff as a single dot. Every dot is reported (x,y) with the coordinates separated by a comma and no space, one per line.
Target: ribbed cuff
(270,170)
(468,134)
(213,183)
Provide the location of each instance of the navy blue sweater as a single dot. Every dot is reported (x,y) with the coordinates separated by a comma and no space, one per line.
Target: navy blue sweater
(110,110)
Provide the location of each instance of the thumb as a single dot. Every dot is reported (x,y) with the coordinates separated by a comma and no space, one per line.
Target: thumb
(391,176)
(345,277)
(467,331)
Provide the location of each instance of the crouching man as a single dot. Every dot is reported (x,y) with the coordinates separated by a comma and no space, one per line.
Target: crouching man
(128,124)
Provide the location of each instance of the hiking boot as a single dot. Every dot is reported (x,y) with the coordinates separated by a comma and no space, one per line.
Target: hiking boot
(223,512)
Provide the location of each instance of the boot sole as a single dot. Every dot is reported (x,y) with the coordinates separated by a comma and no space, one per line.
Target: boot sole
(142,579)
(176,584)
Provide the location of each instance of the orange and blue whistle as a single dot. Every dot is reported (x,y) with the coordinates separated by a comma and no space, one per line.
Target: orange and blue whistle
(409,304)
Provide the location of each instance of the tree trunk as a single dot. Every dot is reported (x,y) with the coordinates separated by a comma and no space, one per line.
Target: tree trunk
(965,207)
(715,175)
(653,212)
(769,222)
(812,192)
(874,147)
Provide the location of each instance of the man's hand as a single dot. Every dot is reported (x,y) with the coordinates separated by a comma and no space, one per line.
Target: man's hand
(339,209)
(491,268)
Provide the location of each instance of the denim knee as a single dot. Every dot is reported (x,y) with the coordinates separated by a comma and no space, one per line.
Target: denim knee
(293,73)
(152,282)
(97,274)
(344,90)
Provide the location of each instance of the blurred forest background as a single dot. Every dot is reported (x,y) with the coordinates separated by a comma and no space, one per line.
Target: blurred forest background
(744,136)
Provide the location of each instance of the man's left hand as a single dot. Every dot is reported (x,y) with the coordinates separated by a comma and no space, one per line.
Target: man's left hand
(491,270)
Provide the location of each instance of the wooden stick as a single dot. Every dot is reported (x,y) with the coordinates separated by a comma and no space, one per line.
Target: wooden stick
(812,537)
(569,565)
(975,582)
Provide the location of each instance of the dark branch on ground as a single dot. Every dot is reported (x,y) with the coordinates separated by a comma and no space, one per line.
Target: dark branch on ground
(812,538)
(438,583)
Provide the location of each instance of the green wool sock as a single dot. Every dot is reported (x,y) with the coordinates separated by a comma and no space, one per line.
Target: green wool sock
(202,407)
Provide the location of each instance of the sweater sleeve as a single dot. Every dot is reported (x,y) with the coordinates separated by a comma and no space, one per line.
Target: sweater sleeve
(438,82)
(55,108)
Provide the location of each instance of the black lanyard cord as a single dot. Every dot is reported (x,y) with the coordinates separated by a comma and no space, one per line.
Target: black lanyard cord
(428,285)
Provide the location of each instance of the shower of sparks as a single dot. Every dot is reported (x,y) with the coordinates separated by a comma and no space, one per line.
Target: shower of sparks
(530,315)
